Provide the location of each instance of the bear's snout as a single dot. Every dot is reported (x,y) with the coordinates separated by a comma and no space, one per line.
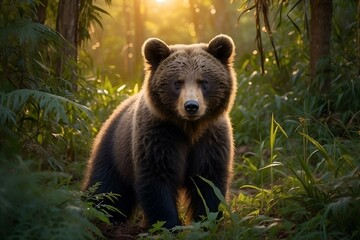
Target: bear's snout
(191,106)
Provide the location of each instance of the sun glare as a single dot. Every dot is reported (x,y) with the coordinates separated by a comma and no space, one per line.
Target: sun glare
(160,1)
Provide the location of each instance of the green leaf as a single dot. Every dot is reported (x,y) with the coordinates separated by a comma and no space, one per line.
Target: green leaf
(157,226)
(202,197)
(221,197)
(274,164)
(50,103)
(256,188)
(322,151)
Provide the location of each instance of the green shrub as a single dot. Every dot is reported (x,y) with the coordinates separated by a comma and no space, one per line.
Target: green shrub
(311,186)
(40,205)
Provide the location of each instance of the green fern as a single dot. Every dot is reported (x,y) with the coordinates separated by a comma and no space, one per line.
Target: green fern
(51,105)
(95,209)
(29,32)
(39,205)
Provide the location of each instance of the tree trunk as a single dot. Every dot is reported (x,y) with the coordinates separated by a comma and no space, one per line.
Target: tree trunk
(139,32)
(222,17)
(320,30)
(67,26)
(194,11)
(129,62)
(41,11)
(359,37)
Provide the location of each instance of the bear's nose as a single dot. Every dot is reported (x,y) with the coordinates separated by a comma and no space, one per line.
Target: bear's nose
(191,106)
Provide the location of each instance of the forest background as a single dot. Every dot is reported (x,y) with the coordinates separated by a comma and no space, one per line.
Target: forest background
(65,65)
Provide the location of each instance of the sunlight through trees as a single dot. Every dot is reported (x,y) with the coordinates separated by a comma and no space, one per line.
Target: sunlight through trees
(65,66)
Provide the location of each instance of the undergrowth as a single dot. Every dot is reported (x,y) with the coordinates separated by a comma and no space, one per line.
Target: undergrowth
(296,172)
(40,205)
(307,190)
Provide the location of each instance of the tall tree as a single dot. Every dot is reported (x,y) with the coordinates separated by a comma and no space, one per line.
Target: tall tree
(139,36)
(67,25)
(194,10)
(223,22)
(359,35)
(320,32)
(41,11)
(129,63)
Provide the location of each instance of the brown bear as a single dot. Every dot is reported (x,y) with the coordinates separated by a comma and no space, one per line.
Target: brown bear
(158,142)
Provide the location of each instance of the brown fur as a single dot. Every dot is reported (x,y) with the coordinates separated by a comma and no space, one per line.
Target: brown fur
(157,142)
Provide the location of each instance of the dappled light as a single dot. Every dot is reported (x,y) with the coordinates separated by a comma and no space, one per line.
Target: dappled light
(174,21)
(66,65)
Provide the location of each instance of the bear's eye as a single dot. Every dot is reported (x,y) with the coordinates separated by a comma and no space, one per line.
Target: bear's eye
(178,84)
(203,84)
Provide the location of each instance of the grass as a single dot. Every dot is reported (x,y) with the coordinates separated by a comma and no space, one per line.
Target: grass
(309,191)
(296,175)
(300,180)
(296,172)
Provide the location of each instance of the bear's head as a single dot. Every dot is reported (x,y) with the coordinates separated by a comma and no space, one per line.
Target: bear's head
(189,82)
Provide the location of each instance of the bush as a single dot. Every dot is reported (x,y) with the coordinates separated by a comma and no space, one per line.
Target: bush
(40,205)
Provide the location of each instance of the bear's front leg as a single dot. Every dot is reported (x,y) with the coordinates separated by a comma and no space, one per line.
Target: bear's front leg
(158,201)
(211,158)
(159,167)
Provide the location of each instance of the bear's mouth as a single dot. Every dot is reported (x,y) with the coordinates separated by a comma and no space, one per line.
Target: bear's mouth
(191,117)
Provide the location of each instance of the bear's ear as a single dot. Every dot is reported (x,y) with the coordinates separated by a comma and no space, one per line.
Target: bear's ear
(154,51)
(223,48)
